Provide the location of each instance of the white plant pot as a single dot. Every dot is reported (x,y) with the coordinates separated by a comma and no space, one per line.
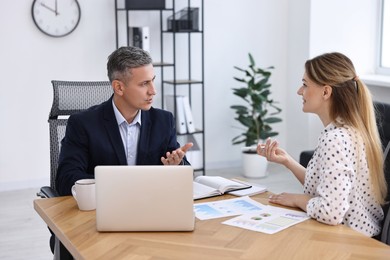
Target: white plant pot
(254,165)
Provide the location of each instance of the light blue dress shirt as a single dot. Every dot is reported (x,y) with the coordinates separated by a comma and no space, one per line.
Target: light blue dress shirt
(129,133)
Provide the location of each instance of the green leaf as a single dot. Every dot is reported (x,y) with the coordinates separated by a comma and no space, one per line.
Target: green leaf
(245,120)
(239,142)
(251,60)
(265,93)
(265,135)
(237,68)
(249,74)
(241,92)
(271,120)
(240,110)
(240,80)
(263,81)
(239,107)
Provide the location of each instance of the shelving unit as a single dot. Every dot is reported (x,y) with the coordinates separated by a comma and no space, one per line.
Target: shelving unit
(181,70)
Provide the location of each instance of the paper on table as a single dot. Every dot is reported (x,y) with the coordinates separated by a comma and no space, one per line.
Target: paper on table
(226,208)
(268,220)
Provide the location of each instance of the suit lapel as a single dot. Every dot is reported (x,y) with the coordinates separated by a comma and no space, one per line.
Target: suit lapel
(112,129)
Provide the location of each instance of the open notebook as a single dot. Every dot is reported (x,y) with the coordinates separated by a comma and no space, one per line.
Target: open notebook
(144,198)
(210,186)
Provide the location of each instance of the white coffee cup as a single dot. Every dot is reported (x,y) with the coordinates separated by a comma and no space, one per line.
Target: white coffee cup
(84,193)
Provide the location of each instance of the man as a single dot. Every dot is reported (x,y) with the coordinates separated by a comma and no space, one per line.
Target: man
(125,130)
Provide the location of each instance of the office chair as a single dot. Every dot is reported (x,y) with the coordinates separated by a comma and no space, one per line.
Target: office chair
(69,97)
(385,236)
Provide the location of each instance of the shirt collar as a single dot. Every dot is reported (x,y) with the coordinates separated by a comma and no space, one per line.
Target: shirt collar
(120,119)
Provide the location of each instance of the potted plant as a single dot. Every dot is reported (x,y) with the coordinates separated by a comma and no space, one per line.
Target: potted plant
(256,116)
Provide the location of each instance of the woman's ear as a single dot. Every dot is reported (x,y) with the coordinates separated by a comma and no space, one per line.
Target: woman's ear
(327,92)
(117,86)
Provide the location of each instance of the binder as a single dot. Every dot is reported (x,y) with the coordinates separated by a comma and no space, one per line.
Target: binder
(188,115)
(181,127)
(139,37)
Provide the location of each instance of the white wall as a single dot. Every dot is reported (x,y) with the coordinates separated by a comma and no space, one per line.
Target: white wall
(29,61)
(280,33)
(233,30)
(298,44)
(350,27)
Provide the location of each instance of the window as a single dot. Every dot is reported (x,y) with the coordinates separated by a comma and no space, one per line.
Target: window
(384,54)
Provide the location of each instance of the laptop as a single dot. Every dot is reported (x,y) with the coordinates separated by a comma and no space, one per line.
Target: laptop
(144,198)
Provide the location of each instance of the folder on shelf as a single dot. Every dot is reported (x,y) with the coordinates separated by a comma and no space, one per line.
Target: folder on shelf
(181,127)
(139,37)
(188,115)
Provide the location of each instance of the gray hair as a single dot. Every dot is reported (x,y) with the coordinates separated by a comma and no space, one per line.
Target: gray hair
(122,60)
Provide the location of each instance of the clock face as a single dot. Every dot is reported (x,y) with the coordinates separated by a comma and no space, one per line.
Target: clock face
(56,18)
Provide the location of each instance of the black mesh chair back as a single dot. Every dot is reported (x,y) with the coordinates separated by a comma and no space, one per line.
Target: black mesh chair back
(70,97)
(383,122)
(385,235)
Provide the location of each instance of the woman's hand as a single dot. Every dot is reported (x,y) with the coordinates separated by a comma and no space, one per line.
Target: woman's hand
(272,152)
(291,200)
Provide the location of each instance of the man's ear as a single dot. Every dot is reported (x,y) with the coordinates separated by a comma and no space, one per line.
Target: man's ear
(117,87)
(327,92)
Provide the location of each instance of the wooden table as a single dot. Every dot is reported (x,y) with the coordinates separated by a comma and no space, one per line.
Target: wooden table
(210,239)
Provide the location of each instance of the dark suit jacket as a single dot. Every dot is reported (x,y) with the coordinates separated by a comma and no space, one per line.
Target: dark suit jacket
(92,138)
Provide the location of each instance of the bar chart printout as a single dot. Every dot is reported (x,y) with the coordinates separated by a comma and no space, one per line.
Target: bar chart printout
(227,208)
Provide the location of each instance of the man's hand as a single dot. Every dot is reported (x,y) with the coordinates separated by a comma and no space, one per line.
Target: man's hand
(176,156)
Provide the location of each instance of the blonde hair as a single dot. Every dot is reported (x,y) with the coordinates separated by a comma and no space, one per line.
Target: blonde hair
(351,100)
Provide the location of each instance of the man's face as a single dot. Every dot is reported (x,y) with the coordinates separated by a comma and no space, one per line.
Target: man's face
(139,90)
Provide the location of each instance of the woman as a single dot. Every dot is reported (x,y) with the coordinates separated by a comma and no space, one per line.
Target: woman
(344,181)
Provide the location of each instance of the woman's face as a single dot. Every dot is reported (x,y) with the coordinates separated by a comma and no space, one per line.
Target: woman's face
(312,95)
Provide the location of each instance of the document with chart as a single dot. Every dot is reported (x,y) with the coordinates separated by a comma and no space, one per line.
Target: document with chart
(268,220)
(227,208)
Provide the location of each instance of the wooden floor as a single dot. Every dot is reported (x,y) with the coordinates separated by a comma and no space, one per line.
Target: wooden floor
(24,235)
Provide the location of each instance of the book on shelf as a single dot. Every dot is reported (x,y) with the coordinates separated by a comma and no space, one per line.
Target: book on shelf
(210,186)
(181,127)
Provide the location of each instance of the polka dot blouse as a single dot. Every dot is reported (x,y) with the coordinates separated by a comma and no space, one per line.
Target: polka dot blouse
(338,180)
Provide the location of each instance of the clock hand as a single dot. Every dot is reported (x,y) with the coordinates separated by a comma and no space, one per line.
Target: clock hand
(56,8)
(48,8)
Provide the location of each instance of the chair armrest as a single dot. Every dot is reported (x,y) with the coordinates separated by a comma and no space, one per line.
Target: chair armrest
(305,157)
(47,192)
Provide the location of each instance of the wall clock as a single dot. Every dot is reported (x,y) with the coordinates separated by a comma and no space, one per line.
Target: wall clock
(56,18)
